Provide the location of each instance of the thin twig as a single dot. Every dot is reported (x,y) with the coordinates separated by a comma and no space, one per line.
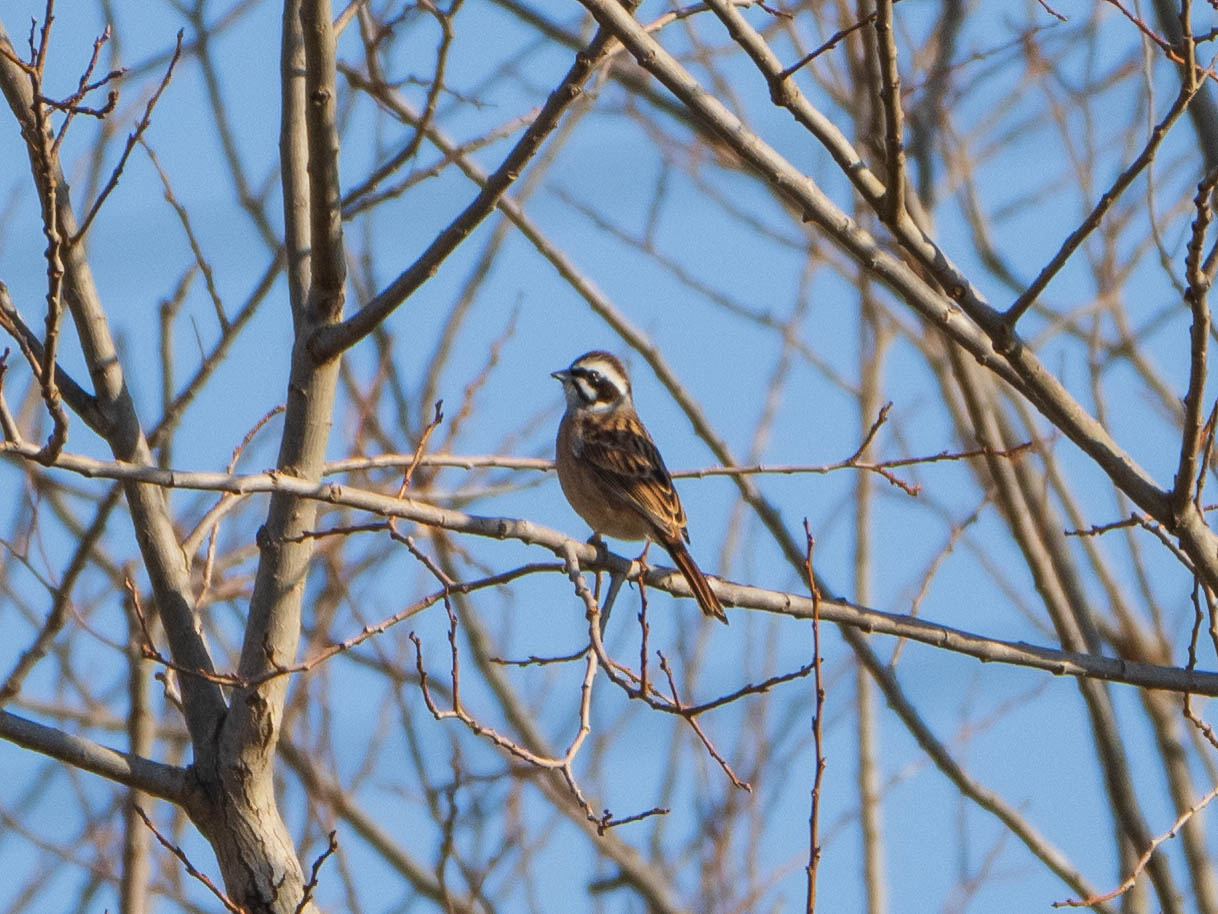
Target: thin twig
(542,464)
(1025,300)
(624,679)
(1129,880)
(132,139)
(563,765)
(436,419)
(149,651)
(311,885)
(229,904)
(814,846)
(214,535)
(679,708)
(833,41)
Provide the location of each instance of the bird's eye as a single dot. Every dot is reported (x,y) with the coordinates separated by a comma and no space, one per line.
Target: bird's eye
(594,376)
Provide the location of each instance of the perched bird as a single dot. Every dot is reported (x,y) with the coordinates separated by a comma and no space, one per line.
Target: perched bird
(612,473)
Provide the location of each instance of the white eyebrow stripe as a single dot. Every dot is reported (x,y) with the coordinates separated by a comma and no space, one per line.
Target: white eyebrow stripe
(606,370)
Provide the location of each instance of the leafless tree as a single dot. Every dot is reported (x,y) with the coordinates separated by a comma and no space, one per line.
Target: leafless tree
(295,616)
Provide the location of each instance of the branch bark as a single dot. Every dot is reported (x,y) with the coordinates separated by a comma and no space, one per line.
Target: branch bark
(963,314)
(163,560)
(165,781)
(255,850)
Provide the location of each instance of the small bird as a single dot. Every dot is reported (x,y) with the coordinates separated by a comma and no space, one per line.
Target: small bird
(612,473)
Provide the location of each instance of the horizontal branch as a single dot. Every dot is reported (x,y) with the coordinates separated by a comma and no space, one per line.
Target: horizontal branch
(544,464)
(990,650)
(165,781)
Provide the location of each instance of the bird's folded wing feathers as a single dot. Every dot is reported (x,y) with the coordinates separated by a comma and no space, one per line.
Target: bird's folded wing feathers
(631,466)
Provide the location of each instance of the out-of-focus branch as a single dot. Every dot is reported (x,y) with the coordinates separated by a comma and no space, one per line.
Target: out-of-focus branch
(871,344)
(1196,295)
(58,615)
(132,139)
(137,865)
(964,315)
(1036,530)
(987,799)
(229,905)
(322,786)
(1203,112)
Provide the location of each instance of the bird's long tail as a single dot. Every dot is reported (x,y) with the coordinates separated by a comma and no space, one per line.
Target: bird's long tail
(697,581)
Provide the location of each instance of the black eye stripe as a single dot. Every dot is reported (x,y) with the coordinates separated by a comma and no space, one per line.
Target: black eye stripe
(585,394)
(605,391)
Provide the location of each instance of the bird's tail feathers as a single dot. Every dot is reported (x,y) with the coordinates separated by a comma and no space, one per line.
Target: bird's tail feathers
(706,598)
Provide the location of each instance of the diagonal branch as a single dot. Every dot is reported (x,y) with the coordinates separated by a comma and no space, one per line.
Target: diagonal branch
(968,320)
(1107,199)
(134,137)
(330,341)
(165,781)
(203,702)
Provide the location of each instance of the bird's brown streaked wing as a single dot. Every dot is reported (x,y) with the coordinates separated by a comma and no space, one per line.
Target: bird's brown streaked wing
(631,467)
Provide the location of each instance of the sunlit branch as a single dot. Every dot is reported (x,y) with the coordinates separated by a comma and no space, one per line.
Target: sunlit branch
(894,119)
(1054,661)
(1129,880)
(165,781)
(330,341)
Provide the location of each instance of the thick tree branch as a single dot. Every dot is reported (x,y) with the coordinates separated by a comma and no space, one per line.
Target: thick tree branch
(258,858)
(1069,663)
(963,314)
(164,781)
(330,341)
(166,566)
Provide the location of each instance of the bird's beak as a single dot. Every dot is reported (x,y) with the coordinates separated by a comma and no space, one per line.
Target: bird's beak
(561,375)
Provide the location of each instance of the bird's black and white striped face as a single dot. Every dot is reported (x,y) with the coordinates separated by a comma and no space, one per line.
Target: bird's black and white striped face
(595,381)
